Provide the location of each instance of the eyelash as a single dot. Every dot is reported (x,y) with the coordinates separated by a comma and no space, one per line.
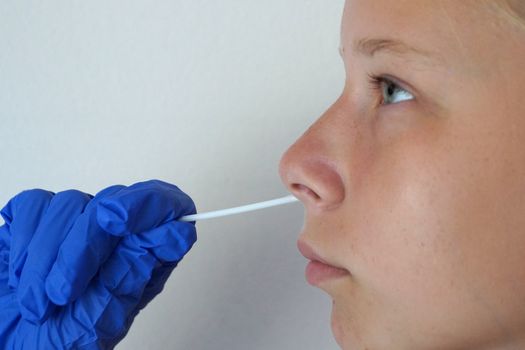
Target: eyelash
(375,82)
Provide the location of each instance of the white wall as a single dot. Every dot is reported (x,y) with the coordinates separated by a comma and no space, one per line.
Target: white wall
(203,94)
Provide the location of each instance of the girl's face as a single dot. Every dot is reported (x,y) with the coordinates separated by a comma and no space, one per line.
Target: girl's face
(416,186)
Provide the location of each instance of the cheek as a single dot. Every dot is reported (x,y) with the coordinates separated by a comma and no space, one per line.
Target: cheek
(401,209)
(402,259)
(405,253)
(423,229)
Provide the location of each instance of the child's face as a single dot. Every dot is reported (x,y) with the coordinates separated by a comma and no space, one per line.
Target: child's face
(420,194)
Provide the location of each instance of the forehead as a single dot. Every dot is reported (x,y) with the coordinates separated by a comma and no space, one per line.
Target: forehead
(401,19)
(456,31)
(406,15)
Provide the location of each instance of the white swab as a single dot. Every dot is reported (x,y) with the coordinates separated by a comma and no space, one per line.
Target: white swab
(241,209)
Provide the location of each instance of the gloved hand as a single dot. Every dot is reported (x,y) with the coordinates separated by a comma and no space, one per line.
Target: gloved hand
(76,269)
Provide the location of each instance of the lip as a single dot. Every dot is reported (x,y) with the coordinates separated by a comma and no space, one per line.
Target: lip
(318,269)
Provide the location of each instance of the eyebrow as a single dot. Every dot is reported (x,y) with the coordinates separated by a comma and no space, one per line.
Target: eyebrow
(371,46)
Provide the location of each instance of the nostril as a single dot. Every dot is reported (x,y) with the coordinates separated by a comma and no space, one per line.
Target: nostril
(305,191)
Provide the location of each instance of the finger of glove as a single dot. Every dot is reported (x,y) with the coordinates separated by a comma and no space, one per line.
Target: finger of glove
(143,206)
(167,244)
(107,304)
(63,211)
(81,254)
(23,213)
(156,284)
(137,271)
(177,239)
(159,276)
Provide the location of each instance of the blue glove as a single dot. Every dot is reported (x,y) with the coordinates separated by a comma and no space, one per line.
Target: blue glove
(76,269)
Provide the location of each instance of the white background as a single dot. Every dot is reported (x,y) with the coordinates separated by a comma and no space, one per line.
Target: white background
(203,94)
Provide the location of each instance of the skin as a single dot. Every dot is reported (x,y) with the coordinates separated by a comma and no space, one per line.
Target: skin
(422,200)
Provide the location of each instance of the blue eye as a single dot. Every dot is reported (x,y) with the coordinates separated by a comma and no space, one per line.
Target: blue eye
(391,92)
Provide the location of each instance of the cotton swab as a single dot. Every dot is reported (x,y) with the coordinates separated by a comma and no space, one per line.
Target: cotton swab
(241,209)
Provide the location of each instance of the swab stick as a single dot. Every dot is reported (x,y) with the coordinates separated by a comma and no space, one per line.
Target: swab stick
(241,209)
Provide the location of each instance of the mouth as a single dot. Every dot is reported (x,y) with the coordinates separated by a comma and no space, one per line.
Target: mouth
(318,269)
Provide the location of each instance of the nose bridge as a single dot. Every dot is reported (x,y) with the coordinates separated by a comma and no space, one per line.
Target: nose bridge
(309,168)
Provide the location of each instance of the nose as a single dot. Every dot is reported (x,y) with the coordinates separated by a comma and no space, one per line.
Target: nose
(310,172)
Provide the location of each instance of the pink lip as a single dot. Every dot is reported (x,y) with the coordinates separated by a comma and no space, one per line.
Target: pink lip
(318,270)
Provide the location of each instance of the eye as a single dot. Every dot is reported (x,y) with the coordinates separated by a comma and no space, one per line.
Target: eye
(391,92)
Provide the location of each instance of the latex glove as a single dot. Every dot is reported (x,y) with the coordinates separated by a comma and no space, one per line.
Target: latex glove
(76,269)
